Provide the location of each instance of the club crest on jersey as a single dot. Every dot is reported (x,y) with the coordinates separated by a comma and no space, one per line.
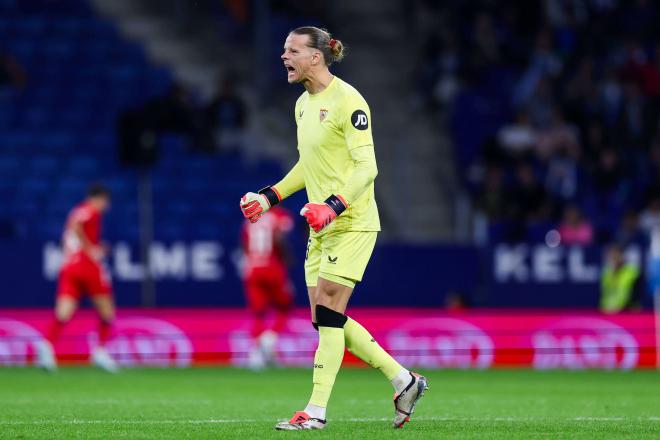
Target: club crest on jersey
(322,114)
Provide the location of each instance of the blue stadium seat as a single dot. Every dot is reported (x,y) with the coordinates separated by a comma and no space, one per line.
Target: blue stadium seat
(5,25)
(69,27)
(10,167)
(24,50)
(48,165)
(8,190)
(8,5)
(60,134)
(37,187)
(57,142)
(26,207)
(51,230)
(6,118)
(56,49)
(17,140)
(81,166)
(37,117)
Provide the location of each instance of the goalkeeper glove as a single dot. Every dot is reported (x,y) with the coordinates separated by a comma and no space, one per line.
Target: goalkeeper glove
(253,205)
(321,215)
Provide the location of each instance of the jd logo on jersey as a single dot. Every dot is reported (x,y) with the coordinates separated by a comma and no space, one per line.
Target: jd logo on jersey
(359,120)
(332,260)
(322,114)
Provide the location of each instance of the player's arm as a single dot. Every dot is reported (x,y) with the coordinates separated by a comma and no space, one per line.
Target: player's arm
(365,172)
(293,182)
(255,204)
(359,141)
(76,226)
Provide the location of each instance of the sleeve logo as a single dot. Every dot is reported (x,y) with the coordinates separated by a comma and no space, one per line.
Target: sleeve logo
(359,120)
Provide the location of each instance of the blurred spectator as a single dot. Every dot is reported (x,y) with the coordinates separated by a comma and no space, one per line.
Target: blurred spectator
(444,69)
(633,59)
(557,135)
(174,112)
(630,232)
(485,44)
(594,142)
(11,71)
(651,74)
(456,301)
(611,95)
(540,102)
(492,205)
(631,125)
(519,137)
(226,115)
(563,173)
(608,174)
(543,67)
(649,173)
(493,197)
(649,220)
(580,96)
(587,108)
(574,228)
(622,284)
(530,201)
(7,228)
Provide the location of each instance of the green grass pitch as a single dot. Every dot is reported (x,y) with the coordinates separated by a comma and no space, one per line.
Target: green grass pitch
(224,403)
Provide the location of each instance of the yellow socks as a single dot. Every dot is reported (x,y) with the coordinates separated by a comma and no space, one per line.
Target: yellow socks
(360,342)
(329,354)
(336,332)
(327,361)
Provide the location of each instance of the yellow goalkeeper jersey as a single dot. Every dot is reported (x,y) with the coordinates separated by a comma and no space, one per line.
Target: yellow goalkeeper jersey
(334,136)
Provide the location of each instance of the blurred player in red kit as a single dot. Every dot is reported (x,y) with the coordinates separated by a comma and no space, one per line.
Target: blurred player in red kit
(83,273)
(266,280)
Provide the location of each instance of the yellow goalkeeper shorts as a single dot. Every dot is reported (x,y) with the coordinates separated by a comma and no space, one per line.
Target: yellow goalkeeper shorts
(340,256)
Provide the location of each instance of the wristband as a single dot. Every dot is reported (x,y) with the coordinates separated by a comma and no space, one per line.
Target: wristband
(336,203)
(271,194)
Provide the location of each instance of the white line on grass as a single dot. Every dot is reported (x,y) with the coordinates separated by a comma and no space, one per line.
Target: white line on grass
(355,419)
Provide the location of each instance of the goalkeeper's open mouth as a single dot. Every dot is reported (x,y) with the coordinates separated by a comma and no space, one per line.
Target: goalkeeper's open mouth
(290,71)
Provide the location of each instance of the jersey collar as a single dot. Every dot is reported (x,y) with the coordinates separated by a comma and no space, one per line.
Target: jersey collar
(324,91)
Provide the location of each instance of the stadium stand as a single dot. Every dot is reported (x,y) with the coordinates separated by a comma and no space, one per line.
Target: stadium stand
(548,120)
(58,133)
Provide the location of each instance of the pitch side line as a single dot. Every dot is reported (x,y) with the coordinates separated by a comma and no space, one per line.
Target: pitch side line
(356,420)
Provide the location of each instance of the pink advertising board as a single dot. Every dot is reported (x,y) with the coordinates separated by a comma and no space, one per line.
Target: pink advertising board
(418,337)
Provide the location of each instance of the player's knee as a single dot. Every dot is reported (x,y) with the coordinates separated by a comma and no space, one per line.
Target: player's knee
(326,317)
(107,315)
(62,318)
(327,296)
(64,314)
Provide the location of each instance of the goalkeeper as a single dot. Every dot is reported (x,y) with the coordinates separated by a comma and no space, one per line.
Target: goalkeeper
(337,167)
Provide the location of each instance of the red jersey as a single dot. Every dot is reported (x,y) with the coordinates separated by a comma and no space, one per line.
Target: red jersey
(260,239)
(90,219)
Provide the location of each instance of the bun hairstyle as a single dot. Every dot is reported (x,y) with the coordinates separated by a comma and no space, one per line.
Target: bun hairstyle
(333,50)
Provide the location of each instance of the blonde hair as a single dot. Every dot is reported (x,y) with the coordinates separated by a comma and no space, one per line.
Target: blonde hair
(333,50)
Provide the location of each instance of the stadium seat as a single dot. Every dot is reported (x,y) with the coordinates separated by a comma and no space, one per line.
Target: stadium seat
(10,167)
(59,135)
